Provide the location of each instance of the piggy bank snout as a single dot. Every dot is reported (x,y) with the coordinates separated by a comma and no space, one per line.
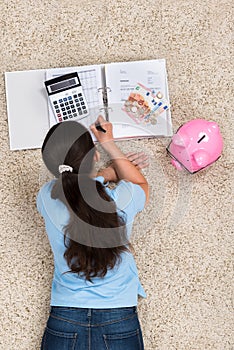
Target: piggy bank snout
(180,140)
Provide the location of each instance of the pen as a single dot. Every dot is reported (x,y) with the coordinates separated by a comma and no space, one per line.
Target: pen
(99,127)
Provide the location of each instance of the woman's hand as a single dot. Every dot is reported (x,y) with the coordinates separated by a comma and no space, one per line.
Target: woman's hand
(102,137)
(139,159)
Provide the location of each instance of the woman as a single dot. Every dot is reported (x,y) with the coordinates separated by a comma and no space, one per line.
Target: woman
(95,284)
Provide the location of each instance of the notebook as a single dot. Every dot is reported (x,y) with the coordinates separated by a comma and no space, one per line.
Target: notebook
(106,88)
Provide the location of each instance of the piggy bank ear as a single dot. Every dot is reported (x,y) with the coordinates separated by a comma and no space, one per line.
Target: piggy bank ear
(180,140)
(214,126)
(201,157)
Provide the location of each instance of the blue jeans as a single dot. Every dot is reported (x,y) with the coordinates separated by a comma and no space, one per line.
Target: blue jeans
(71,328)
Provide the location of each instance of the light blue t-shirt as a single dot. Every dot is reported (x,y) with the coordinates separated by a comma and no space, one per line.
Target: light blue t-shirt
(120,286)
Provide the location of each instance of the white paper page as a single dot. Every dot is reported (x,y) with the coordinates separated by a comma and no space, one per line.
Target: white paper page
(92,83)
(125,127)
(122,78)
(27,108)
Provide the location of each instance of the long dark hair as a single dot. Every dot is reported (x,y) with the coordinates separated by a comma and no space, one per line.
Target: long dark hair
(95,235)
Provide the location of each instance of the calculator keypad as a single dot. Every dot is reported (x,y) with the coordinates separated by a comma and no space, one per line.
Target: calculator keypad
(70,107)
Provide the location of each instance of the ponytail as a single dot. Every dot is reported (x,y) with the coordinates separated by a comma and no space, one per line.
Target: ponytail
(94,239)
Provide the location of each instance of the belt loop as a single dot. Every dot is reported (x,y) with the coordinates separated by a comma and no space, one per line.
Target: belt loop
(89,312)
(135,309)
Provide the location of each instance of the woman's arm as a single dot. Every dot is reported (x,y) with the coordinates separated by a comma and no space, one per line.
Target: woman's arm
(109,174)
(123,167)
(139,159)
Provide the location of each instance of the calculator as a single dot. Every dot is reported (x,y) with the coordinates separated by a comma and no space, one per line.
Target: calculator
(66,97)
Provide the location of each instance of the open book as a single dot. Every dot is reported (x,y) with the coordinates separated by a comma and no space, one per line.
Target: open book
(106,88)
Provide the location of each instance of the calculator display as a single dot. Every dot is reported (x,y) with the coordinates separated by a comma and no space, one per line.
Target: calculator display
(64,84)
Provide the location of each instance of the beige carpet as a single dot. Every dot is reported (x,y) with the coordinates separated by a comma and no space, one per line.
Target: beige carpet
(183,239)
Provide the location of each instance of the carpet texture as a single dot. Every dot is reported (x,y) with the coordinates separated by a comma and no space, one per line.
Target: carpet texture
(183,239)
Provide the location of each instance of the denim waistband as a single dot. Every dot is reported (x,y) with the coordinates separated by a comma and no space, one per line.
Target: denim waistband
(85,316)
(129,308)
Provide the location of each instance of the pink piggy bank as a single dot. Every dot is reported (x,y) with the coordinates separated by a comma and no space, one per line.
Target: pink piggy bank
(196,144)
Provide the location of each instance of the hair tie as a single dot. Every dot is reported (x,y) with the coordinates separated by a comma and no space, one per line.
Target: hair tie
(64,167)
